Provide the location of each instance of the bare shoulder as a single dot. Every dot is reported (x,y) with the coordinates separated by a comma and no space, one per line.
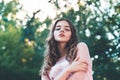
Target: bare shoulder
(82,45)
(83,51)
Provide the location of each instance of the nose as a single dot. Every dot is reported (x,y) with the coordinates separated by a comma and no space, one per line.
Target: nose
(62,30)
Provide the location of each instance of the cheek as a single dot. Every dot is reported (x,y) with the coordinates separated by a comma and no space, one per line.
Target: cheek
(69,35)
(55,34)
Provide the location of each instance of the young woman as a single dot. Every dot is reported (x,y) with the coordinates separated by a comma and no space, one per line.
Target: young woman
(65,57)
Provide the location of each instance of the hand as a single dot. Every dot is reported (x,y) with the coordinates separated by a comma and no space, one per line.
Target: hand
(78,65)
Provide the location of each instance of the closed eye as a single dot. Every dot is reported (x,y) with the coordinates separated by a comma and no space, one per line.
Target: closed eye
(67,29)
(58,28)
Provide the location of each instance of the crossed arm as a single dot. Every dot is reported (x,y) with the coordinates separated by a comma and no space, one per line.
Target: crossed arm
(79,66)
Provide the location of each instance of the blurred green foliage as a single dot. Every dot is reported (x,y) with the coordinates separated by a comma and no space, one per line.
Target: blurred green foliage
(22,42)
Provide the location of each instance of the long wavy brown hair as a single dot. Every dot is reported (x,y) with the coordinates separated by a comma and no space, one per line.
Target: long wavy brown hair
(52,53)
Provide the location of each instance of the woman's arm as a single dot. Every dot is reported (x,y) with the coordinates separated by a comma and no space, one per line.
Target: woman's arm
(83,54)
(79,66)
(74,67)
(63,75)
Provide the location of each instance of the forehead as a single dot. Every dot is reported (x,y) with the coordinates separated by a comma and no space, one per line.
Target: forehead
(62,23)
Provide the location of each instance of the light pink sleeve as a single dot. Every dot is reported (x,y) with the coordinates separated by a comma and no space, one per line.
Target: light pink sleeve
(83,54)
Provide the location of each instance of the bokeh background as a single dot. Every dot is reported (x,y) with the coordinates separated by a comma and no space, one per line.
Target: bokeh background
(23,31)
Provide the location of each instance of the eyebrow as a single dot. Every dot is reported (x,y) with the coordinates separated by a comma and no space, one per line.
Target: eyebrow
(60,26)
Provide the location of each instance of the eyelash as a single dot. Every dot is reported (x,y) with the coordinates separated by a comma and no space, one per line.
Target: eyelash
(57,29)
(65,29)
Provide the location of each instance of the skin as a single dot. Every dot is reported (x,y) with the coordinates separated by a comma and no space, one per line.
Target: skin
(62,35)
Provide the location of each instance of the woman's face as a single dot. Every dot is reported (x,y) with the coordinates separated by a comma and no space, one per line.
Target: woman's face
(62,32)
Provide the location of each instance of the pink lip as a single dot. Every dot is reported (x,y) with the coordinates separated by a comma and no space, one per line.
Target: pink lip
(61,35)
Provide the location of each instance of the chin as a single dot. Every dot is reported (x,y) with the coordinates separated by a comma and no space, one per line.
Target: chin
(61,41)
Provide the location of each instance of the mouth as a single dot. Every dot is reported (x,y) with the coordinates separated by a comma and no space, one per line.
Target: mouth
(61,35)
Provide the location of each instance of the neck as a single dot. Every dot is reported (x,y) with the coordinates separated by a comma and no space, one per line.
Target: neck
(61,47)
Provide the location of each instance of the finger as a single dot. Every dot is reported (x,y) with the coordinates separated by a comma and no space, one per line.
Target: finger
(84,62)
(84,68)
